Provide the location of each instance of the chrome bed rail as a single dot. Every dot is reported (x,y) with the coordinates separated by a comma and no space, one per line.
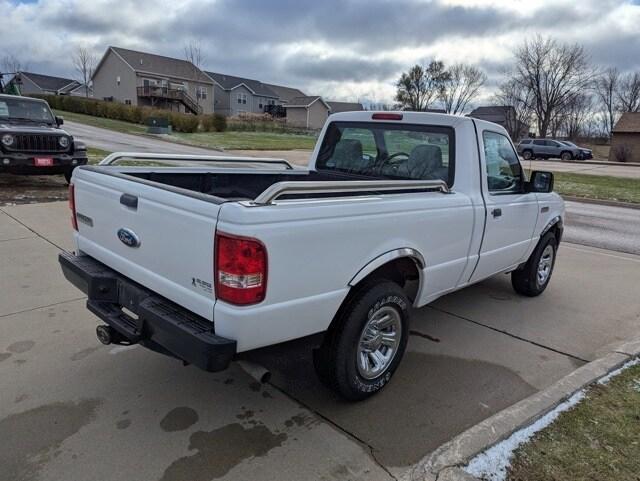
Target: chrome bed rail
(349,186)
(114,157)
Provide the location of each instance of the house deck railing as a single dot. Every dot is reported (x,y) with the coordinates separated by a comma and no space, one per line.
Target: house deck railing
(166,93)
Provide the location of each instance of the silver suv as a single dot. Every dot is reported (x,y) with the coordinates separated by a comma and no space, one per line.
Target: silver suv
(547,149)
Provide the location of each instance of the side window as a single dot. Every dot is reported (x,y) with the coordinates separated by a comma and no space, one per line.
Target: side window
(504,173)
(538,142)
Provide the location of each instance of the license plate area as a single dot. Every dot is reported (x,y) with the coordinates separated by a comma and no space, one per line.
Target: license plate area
(129,297)
(43,161)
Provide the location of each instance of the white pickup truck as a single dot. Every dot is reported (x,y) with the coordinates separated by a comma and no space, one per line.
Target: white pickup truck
(204,258)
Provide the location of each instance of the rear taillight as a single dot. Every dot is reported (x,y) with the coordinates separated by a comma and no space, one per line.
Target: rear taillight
(72,206)
(240,269)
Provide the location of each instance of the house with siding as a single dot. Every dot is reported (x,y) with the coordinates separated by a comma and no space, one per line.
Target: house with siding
(625,138)
(237,95)
(30,83)
(504,115)
(146,79)
(311,112)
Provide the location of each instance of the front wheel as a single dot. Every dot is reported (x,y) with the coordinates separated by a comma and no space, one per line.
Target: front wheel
(532,279)
(362,350)
(566,156)
(527,155)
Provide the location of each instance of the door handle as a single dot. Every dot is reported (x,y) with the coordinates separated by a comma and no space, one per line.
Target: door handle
(496,212)
(129,200)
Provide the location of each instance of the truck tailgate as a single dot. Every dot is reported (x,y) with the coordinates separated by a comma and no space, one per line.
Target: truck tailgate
(159,238)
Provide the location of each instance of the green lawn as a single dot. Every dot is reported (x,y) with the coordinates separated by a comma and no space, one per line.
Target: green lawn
(117,125)
(596,440)
(229,140)
(598,187)
(243,140)
(96,155)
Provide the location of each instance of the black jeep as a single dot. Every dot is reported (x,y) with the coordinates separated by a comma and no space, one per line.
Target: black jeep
(32,142)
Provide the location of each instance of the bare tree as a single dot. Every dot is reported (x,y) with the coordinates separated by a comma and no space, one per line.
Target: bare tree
(193,53)
(628,94)
(576,116)
(517,103)
(84,62)
(418,88)
(554,73)
(460,87)
(606,86)
(11,64)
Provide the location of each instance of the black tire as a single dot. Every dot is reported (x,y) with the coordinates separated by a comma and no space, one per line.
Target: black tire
(566,156)
(336,361)
(67,175)
(525,281)
(527,155)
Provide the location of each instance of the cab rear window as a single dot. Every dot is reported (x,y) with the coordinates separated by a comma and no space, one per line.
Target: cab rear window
(389,151)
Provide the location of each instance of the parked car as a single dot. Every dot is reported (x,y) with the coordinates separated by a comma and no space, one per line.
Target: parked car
(32,142)
(396,209)
(547,149)
(585,154)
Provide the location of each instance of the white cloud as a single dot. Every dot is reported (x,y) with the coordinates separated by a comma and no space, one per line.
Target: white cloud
(341,49)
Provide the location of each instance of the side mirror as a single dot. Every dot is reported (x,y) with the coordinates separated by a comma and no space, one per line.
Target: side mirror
(59,121)
(540,182)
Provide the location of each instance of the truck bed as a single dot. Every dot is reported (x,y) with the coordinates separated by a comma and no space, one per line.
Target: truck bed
(236,185)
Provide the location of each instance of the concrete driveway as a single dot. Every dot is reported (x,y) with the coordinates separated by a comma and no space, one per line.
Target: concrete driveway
(72,409)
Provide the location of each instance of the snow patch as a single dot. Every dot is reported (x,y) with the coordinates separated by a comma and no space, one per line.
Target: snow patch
(492,464)
(615,372)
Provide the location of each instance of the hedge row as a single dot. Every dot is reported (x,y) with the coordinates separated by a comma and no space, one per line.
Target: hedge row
(138,115)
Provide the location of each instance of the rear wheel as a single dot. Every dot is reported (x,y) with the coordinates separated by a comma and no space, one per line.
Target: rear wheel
(67,175)
(527,155)
(532,279)
(362,350)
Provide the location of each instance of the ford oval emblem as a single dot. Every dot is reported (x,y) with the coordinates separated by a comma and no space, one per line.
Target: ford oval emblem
(128,237)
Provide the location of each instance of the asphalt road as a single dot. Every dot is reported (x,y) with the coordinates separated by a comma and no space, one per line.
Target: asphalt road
(113,141)
(613,228)
(628,171)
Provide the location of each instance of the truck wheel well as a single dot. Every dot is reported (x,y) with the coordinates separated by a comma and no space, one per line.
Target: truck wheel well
(403,271)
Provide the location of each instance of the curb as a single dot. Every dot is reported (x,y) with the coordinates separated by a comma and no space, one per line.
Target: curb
(611,203)
(446,462)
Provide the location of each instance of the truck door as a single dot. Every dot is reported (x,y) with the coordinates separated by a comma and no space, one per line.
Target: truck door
(511,213)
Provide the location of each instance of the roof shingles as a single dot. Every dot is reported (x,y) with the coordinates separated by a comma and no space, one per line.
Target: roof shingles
(160,65)
(629,123)
(229,82)
(48,82)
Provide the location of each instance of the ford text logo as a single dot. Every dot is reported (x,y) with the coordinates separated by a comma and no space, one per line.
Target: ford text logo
(128,237)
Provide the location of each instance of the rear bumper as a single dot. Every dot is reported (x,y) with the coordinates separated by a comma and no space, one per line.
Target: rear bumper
(161,325)
(17,163)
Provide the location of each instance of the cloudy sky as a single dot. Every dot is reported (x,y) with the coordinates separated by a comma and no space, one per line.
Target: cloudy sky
(344,50)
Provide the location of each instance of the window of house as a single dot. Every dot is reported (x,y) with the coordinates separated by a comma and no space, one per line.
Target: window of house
(201,92)
(504,173)
(242,98)
(260,103)
(127,101)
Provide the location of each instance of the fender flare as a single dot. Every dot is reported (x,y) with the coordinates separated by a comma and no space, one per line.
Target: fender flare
(556,221)
(387,257)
